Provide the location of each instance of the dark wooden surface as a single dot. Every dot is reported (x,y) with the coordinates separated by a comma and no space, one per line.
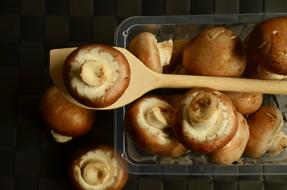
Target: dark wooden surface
(29,158)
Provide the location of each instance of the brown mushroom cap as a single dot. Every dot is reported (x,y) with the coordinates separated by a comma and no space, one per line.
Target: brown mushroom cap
(98,167)
(267,45)
(153,54)
(64,117)
(234,149)
(205,120)
(148,122)
(256,71)
(215,51)
(245,102)
(96,75)
(264,125)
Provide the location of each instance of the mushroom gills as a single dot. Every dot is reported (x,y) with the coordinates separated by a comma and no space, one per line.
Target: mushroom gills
(93,73)
(208,122)
(96,170)
(157,117)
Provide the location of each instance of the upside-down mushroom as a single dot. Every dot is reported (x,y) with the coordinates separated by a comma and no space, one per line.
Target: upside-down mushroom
(96,75)
(149,124)
(98,168)
(234,149)
(205,120)
(155,55)
(65,119)
(215,51)
(266,135)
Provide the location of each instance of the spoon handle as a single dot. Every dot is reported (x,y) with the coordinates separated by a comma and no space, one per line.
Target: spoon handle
(223,83)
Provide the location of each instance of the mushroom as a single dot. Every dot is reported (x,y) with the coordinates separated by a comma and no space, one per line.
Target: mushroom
(266,135)
(267,45)
(98,168)
(234,149)
(215,51)
(65,119)
(175,66)
(245,102)
(205,120)
(155,55)
(96,75)
(264,74)
(149,124)
(256,71)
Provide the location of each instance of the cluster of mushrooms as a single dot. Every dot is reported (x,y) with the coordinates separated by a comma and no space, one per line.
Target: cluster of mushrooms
(222,125)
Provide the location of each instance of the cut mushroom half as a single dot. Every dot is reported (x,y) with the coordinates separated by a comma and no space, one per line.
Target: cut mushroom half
(234,149)
(205,120)
(149,124)
(96,75)
(98,168)
(266,135)
(155,55)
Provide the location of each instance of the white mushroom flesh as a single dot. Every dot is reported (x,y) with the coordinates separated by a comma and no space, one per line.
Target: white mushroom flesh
(165,52)
(93,72)
(215,125)
(96,170)
(60,138)
(154,119)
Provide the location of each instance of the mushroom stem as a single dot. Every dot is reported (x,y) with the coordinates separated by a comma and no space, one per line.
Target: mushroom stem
(158,117)
(95,173)
(93,73)
(165,52)
(60,138)
(278,144)
(202,107)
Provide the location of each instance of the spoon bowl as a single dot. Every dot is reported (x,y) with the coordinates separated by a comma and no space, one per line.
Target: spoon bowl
(143,80)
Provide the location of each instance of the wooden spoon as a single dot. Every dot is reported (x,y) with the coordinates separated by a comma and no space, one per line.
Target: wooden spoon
(144,80)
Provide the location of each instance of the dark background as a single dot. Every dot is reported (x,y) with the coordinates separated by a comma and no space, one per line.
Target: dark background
(29,158)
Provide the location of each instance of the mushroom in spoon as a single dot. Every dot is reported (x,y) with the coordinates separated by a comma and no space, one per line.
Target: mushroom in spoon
(96,75)
(143,80)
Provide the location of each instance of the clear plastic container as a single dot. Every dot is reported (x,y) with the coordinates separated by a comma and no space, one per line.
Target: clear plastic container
(178,27)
